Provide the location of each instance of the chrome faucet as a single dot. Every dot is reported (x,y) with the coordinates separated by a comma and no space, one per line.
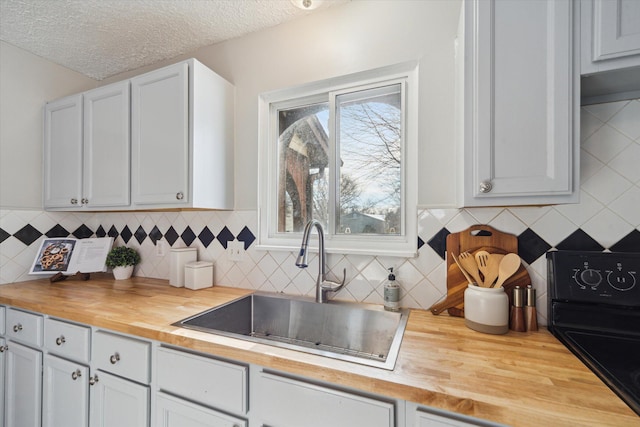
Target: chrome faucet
(323,286)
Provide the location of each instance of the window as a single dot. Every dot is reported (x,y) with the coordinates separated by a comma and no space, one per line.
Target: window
(343,152)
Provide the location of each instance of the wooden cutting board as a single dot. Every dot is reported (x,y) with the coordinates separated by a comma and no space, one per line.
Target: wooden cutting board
(472,240)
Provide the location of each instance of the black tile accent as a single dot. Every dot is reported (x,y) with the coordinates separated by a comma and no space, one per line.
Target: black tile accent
(225,236)
(82,232)
(27,234)
(4,235)
(629,243)
(206,236)
(57,231)
(140,234)
(155,234)
(439,242)
(579,241)
(113,232)
(188,236)
(100,232)
(420,243)
(126,234)
(531,246)
(247,237)
(171,236)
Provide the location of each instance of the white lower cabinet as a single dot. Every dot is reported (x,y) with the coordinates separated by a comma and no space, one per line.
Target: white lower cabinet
(65,398)
(421,416)
(281,401)
(116,402)
(174,412)
(23,392)
(3,357)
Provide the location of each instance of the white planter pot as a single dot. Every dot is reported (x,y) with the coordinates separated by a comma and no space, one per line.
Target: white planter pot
(122,273)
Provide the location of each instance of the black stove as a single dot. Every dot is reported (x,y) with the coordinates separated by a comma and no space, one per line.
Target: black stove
(594,310)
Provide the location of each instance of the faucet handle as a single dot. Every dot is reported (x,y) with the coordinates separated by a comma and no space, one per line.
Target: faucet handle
(329,286)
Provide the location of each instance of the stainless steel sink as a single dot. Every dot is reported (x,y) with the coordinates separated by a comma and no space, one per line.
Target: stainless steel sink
(360,333)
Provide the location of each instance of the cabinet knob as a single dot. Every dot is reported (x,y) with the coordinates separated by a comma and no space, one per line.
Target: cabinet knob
(3,348)
(93,380)
(17,328)
(76,374)
(60,340)
(485,186)
(85,201)
(114,358)
(179,195)
(74,201)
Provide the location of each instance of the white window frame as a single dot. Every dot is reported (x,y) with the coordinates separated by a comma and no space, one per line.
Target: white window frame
(404,245)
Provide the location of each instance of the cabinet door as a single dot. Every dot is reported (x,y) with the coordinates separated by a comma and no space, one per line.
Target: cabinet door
(285,402)
(520,103)
(174,412)
(63,153)
(106,146)
(160,136)
(65,398)
(116,402)
(616,29)
(23,386)
(3,357)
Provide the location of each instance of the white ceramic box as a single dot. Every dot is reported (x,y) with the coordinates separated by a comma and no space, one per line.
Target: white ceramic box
(198,275)
(179,258)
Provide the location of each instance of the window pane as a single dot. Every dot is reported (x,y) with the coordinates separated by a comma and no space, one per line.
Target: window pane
(303,166)
(370,159)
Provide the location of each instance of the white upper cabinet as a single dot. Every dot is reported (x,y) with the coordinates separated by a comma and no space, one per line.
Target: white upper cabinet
(106,146)
(86,150)
(63,153)
(517,103)
(182,138)
(610,32)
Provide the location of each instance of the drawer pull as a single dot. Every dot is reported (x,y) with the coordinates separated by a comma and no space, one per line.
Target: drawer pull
(17,328)
(93,379)
(60,340)
(3,348)
(75,374)
(115,358)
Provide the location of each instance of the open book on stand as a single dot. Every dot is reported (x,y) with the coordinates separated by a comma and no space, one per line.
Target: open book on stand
(70,256)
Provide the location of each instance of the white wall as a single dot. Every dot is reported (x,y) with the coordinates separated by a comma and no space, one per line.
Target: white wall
(357,36)
(26,83)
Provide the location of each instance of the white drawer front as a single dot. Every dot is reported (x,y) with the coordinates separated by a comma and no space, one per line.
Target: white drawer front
(2,310)
(122,356)
(286,402)
(67,339)
(209,381)
(174,412)
(24,327)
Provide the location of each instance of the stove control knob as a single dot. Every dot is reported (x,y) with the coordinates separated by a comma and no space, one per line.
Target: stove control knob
(621,281)
(591,277)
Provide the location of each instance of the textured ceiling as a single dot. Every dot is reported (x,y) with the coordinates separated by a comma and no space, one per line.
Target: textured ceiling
(100,38)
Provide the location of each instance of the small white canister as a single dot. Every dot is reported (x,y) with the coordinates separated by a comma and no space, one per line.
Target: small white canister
(179,258)
(486,309)
(198,275)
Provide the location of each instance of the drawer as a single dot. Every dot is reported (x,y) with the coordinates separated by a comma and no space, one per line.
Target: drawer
(24,327)
(2,311)
(67,339)
(174,412)
(212,382)
(122,356)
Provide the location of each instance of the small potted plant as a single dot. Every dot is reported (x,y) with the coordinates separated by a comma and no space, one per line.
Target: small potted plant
(122,260)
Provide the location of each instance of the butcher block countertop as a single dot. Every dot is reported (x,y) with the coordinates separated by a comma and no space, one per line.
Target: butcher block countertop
(519,379)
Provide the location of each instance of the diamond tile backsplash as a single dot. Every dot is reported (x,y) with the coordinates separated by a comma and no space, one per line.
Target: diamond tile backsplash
(607,218)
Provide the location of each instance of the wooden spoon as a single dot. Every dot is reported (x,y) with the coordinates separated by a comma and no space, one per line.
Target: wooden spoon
(492,269)
(508,266)
(482,259)
(466,275)
(469,264)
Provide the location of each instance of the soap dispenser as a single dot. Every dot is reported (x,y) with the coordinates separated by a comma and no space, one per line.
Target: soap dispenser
(391,292)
